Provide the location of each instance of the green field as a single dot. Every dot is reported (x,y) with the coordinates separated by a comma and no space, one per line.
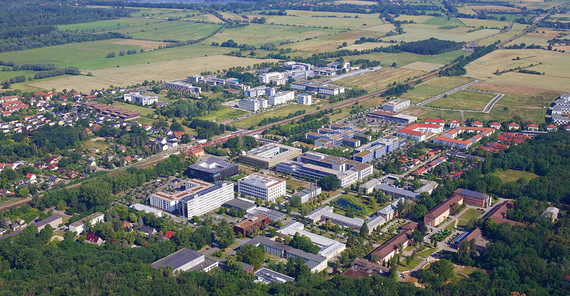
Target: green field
(223,114)
(514,175)
(415,32)
(379,79)
(470,214)
(109,25)
(434,87)
(142,110)
(324,19)
(281,111)
(174,30)
(5,75)
(463,100)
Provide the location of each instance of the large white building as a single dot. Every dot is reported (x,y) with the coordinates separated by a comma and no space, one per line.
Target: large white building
(198,198)
(281,97)
(182,87)
(265,187)
(304,99)
(318,87)
(328,247)
(396,105)
(81,225)
(276,78)
(142,99)
(260,91)
(252,104)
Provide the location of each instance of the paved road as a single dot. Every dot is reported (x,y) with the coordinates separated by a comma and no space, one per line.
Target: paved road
(462,87)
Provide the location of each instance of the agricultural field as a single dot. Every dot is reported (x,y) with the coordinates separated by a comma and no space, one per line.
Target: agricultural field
(338,20)
(463,100)
(109,25)
(379,79)
(422,66)
(174,30)
(514,175)
(257,34)
(129,75)
(416,32)
(554,65)
(434,87)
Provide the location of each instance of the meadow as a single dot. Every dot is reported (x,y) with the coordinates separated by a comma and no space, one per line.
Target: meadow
(434,87)
(514,175)
(224,113)
(339,20)
(173,30)
(379,79)
(463,100)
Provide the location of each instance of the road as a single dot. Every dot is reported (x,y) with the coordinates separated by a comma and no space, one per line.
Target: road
(462,87)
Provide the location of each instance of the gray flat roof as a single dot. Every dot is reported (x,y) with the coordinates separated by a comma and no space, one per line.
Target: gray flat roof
(216,164)
(240,204)
(177,259)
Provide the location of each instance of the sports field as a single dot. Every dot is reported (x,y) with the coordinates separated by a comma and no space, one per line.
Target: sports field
(463,100)
(168,70)
(555,65)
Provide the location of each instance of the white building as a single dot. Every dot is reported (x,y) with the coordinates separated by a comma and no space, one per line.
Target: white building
(281,97)
(260,91)
(396,105)
(198,198)
(304,99)
(328,247)
(142,99)
(326,213)
(182,87)
(253,104)
(276,78)
(80,226)
(265,187)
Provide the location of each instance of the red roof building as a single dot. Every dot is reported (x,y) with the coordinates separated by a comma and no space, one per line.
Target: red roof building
(168,234)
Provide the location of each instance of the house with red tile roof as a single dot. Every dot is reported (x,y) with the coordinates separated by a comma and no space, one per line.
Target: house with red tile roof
(168,234)
(453,123)
(495,124)
(477,123)
(551,127)
(513,126)
(532,127)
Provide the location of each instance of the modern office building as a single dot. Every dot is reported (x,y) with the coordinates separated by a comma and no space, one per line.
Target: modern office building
(269,155)
(141,99)
(315,263)
(377,149)
(336,163)
(196,199)
(311,172)
(212,169)
(277,78)
(400,118)
(260,91)
(253,104)
(186,260)
(396,105)
(251,224)
(328,247)
(182,87)
(326,213)
(281,97)
(305,99)
(318,87)
(308,193)
(267,188)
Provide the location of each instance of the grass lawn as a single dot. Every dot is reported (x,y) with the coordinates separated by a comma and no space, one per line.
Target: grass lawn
(223,114)
(295,184)
(470,214)
(281,111)
(463,100)
(142,110)
(427,252)
(403,266)
(514,175)
(434,87)
(450,226)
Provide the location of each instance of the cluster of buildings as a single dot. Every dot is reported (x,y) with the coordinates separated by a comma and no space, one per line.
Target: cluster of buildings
(141,99)
(318,87)
(107,110)
(315,166)
(337,135)
(460,196)
(389,116)
(268,156)
(182,87)
(396,105)
(395,245)
(504,140)
(328,247)
(378,148)
(258,103)
(561,110)
(11,104)
(449,138)
(430,166)
(421,131)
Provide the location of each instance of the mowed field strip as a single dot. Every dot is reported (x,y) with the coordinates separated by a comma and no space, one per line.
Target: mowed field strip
(169,70)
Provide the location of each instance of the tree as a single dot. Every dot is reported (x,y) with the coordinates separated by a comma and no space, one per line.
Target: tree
(224,234)
(250,254)
(418,211)
(364,230)
(303,243)
(296,201)
(329,183)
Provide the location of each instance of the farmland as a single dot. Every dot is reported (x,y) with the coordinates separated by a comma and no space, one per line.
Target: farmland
(379,79)
(463,100)
(434,87)
(175,30)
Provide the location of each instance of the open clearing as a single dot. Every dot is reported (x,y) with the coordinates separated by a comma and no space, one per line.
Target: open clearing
(223,114)
(170,70)
(514,175)
(470,214)
(434,87)
(555,65)
(379,79)
(324,19)
(281,111)
(142,110)
(422,66)
(463,100)
(144,44)
(414,32)
(175,30)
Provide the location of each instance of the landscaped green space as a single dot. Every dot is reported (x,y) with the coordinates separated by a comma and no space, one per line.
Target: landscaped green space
(224,113)
(470,214)
(427,252)
(513,175)
(404,266)
(142,110)
(281,111)
(463,100)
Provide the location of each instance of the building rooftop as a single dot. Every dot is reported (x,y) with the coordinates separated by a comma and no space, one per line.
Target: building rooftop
(47,220)
(267,276)
(260,180)
(211,165)
(240,204)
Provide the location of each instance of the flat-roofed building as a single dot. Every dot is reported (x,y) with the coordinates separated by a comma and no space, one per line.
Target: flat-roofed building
(149,210)
(212,169)
(315,263)
(305,99)
(269,155)
(400,118)
(277,78)
(326,213)
(313,172)
(328,247)
(80,226)
(281,97)
(268,276)
(182,87)
(396,105)
(473,198)
(253,104)
(308,193)
(250,224)
(141,99)
(186,260)
(54,221)
(267,188)
(318,87)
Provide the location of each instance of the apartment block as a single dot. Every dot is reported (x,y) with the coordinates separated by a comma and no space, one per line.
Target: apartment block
(267,188)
